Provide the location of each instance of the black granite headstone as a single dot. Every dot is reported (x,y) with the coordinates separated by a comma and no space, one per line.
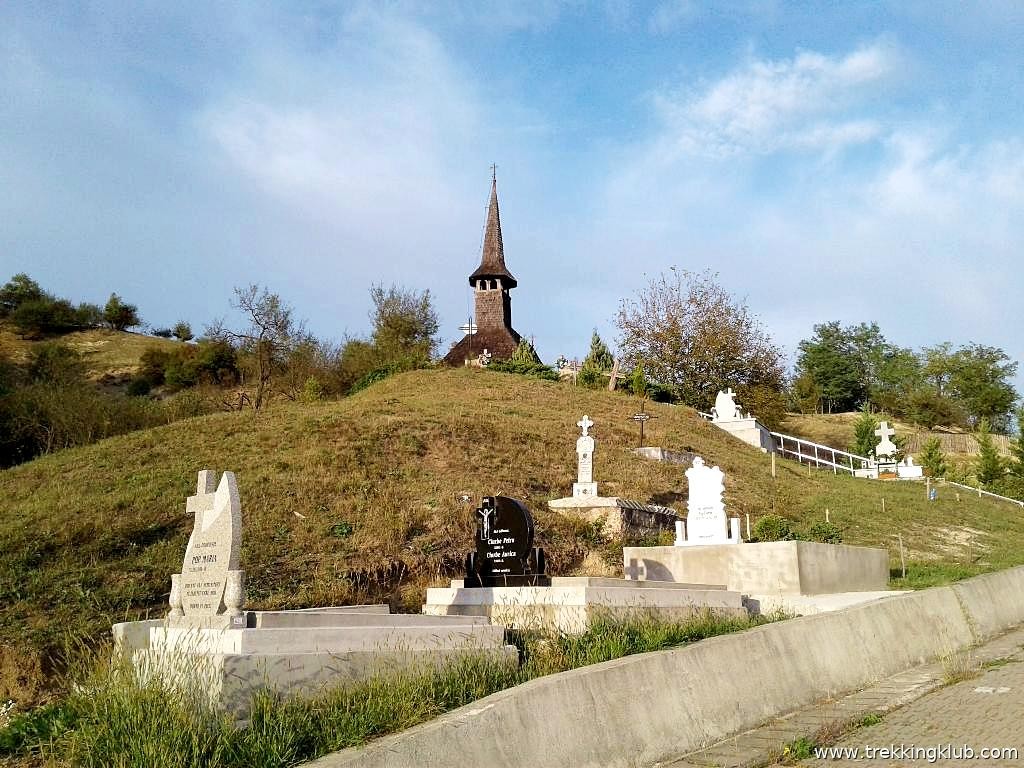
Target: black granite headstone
(505,555)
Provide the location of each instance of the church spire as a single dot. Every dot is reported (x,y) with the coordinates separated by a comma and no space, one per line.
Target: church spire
(492,260)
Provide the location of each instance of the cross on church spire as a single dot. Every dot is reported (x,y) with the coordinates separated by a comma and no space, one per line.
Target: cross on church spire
(494,173)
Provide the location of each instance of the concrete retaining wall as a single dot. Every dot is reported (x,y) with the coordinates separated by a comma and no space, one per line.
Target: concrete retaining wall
(641,709)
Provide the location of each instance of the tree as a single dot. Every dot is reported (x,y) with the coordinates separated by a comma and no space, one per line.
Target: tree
(525,353)
(269,337)
(120,315)
(864,438)
(830,360)
(933,459)
(404,326)
(599,356)
(18,290)
(697,339)
(989,465)
(638,381)
(1017,447)
(182,331)
(980,379)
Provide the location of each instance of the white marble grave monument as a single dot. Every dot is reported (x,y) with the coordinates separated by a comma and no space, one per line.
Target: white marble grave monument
(618,516)
(706,521)
(209,646)
(584,485)
(727,415)
(886,448)
(209,591)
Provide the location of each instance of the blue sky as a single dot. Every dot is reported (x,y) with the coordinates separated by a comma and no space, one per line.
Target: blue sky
(830,161)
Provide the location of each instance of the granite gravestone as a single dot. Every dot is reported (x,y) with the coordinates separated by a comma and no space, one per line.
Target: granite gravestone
(505,555)
(210,588)
(585,485)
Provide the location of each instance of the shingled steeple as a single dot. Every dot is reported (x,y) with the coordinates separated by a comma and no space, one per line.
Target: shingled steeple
(492,259)
(491,283)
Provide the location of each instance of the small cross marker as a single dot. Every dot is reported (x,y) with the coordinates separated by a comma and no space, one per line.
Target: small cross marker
(585,424)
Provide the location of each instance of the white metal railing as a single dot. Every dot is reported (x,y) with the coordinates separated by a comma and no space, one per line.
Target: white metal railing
(818,454)
(707,416)
(980,492)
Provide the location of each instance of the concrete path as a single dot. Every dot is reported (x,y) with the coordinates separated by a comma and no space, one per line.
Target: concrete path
(918,708)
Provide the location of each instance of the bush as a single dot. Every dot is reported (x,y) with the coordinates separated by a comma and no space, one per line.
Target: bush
(534,370)
(163,333)
(773,528)
(825,532)
(139,387)
(54,363)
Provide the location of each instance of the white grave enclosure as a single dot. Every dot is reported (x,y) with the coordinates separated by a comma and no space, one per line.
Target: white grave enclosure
(617,516)
(706,521)
(728,416)
(209,647)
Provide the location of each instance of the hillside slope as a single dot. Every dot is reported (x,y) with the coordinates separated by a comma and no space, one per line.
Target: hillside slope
(108,355)
(358,500)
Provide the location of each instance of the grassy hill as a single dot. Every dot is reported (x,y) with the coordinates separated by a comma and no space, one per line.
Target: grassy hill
(109,355)
(358,500)
(836,430)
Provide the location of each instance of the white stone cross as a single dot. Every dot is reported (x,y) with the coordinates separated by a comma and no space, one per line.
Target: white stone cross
(585,424)
(885,447)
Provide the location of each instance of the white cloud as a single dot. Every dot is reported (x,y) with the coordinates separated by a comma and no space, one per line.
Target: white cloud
(767,106)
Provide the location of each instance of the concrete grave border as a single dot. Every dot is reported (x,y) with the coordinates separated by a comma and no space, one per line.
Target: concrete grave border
(657,706)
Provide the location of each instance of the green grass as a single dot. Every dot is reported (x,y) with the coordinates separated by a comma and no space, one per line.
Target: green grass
(359,501)
(111,719)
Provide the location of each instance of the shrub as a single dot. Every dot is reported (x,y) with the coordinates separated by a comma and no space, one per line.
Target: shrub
(589,376)
(825,532)
(534,370)
(138,387)
(163,333)
(773,528)
(312,390)
(54,363)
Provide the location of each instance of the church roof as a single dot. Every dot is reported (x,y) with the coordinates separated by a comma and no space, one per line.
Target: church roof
(492,260)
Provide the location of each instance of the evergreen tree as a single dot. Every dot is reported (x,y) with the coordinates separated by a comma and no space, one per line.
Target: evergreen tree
(589,376)
(638,381)
(989,466)
(525,353)
(933,459)
(1017,447)
(599,356)
(864,438)
(120,315)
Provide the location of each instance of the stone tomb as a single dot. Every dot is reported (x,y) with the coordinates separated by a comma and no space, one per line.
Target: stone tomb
(207,642)
(763,571)
(618,517)
(727,415)
(511,589)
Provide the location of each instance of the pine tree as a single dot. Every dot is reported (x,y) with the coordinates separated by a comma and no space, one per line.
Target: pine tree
(638,381)
(599,356)
(989,467)
(933,459)
(1017,447)
(864,438)
(525,353)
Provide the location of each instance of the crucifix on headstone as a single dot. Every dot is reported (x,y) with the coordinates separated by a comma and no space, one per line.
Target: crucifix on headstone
(584,485)
(642,417)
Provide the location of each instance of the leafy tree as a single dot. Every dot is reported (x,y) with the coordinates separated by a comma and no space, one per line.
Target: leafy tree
(980,379)
(599,356)
(939,364)
(830,359)
(89,315)
(182,331)
(120,315)
(270,334)
(864,439)
(39,317)
(989,465)
(525,353)
(805,393)
(928,408)
(404,325)
(697,339)
(19,290)
(933,459)
(638,381)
